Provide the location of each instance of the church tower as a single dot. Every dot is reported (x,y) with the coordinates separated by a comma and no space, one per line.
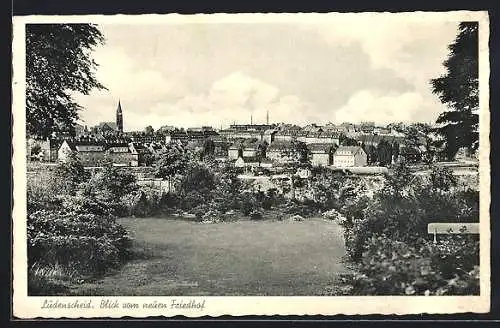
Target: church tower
(119,117)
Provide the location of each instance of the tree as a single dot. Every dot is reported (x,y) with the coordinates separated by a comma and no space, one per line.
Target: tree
(371,151)
(108,187)
(198,178)
(458,90)
(413,136)
(208,148)
(148,130)
(58,64)
(384,152)
(301,151)
(347,141)
(442,178)
(172,160)
(72,173)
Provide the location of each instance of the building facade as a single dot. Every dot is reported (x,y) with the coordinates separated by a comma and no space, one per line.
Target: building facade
(321,154)
(347,156)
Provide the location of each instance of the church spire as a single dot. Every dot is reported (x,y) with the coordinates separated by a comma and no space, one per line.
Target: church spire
(119,117)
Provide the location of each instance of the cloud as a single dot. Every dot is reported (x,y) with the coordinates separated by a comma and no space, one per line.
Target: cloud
(215,74)
(370,105)
(238,89)
(231,99)
(390,41)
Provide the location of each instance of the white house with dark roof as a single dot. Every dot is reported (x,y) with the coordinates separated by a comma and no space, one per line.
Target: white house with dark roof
(321,154)
(94,153)
(346,156)
(90,153)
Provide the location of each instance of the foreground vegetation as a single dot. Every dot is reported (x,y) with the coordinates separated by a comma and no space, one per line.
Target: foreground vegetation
(74,235)
(386,238)
(72,229)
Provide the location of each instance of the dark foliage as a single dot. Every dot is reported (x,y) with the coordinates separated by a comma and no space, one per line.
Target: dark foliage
(458,89)
(58,63)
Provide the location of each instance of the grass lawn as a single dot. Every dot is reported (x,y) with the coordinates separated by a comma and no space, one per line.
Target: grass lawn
(239,258)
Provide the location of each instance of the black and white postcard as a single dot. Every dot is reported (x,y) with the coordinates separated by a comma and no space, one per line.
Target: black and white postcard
(251,164)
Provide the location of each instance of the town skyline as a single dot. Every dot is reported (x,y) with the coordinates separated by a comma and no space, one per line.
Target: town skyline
(250,122)
(215,74)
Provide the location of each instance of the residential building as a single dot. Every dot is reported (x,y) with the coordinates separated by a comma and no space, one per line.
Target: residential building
(247,148)
(121,154)
(287,134)
(139,154)
(346,156)
(48,148)
(321,154)
(90,153)
(95,153)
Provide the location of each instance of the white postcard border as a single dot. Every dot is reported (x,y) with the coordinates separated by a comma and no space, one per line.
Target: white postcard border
(26,307)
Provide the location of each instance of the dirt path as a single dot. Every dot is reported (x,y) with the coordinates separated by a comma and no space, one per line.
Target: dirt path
(240,258)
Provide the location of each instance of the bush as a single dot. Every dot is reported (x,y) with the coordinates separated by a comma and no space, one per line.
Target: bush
(212,215)
(50,279)
(247,205)
(109,186)
(386,238)
(72,173)
(267,203)
(200,212)
(169,200)
(192,200)
(390,267)
(256,215)
(146,201)
(304,209)
(403,211)
(80,204)
(87,242)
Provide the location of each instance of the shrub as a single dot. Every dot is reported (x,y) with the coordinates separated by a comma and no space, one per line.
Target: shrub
(392,267)
(143,202)
(191,200)
(199,179)
(256,215)
(44,186)
(80,204)
(169,200)
(304,209)
(109,186)
(386,237)
(442,178)
(200,212)
(212,215)
(267,203)
(51,279)
(72,173)
(87,242)
(247,206)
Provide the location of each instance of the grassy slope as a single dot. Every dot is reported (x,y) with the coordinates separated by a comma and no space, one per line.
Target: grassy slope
(240,258)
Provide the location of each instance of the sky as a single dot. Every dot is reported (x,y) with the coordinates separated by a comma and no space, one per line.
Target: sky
(218,74)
